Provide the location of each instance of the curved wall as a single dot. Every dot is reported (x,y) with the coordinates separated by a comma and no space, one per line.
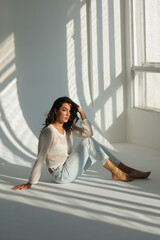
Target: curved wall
(44,49)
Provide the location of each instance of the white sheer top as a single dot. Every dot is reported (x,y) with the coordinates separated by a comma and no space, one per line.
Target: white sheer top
(54,147)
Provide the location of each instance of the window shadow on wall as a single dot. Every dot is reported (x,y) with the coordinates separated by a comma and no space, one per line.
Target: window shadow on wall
(95,42)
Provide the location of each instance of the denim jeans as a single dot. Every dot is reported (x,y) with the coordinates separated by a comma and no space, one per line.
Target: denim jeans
(87,152)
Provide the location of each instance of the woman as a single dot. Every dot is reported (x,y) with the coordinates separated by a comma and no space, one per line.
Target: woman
(55,147)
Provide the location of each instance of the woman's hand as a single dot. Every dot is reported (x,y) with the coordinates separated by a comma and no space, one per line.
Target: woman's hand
(22,186)
(80,110)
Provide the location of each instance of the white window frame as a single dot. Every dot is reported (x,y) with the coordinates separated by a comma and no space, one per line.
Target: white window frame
(140,66)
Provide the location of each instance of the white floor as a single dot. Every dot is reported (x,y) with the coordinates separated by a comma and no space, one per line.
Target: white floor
(93,207)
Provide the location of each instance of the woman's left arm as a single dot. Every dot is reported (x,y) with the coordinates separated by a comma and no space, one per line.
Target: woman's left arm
(86,130)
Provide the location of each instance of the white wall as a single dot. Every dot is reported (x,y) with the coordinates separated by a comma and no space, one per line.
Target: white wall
(143,128)
(142,125)
(43,47)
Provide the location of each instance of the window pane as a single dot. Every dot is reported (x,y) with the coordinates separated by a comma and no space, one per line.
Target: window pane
(147,90)
(139,96)
(138,41)
(153,90)
(152,30)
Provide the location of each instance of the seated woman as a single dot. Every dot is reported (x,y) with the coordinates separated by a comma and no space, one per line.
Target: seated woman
(55,147)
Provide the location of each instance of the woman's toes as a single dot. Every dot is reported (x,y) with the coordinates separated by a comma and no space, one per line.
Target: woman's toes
(139,174)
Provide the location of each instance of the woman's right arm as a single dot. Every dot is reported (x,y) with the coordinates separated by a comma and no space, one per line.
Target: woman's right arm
(85,130)
(44,144)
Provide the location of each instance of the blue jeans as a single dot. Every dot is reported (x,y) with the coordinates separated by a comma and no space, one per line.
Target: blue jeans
(87,152)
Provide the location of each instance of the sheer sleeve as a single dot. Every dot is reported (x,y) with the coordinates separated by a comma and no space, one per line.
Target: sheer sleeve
(84,131)
(45,140)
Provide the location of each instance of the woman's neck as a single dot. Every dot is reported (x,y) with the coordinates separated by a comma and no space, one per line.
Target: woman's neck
(58,125)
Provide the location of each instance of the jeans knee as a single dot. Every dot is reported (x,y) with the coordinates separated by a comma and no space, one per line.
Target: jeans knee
(62,181)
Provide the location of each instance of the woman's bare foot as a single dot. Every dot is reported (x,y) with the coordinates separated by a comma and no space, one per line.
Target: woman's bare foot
(134,173)
(138,174)
(122,177)
(117,174)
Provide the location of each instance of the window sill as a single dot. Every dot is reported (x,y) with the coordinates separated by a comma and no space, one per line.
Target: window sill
(146,69)
(147,109)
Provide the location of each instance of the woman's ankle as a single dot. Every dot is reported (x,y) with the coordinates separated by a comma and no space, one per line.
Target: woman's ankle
(125,168)
(109,165)
(117,174)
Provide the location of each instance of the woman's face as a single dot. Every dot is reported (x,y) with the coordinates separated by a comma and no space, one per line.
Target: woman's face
(63,113)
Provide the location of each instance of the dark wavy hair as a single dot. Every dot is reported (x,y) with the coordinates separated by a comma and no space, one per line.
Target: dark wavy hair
(56,105)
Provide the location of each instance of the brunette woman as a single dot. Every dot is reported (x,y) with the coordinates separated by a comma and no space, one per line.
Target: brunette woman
(55,147)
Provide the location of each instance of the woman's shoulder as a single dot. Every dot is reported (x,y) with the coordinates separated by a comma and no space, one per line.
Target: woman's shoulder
(47,131)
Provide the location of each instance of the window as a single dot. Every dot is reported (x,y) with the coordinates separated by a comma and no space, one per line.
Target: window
(145,20)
